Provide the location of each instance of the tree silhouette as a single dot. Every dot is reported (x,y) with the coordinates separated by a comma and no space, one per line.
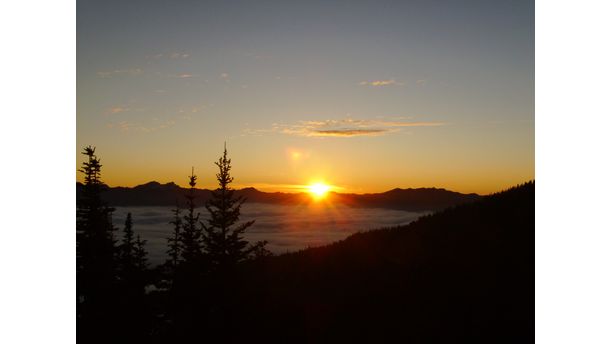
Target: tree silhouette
(225,248)
(95,252)
(127,249)
(185,302)
(132,257)
(223,239)
(191,235)
(174,241)
(140,254)
(131,313)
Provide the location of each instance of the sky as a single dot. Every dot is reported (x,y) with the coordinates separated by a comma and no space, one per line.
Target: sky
(364,95)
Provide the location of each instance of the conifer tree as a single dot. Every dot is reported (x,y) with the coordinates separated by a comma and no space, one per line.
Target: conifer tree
(131,314)
(140,256)
(191,235)
(224,243)
(127,249)
(95,250)
(174,241)
(132,258)
(185,311)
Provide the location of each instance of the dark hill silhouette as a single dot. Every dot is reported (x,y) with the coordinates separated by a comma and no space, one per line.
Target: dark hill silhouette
(156,194)
(463,275)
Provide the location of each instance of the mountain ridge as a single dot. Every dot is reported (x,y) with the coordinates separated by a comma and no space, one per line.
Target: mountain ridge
(461,275)
(154,193)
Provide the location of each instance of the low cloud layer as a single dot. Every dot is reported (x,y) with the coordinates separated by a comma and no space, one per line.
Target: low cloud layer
(286,228)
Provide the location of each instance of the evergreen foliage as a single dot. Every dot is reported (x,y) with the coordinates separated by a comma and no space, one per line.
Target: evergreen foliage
(174,241)
(127,249)
(131,313)
(96,266)
(132,257)
(140,255)
(224,243)
(191,235)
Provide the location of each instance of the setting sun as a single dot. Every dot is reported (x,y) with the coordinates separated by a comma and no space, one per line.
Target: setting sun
(319,190)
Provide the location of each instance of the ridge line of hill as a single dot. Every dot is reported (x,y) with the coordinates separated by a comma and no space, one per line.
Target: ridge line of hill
(169,194)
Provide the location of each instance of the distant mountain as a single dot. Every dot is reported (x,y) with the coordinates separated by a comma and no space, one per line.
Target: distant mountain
(156,194)
(462,275)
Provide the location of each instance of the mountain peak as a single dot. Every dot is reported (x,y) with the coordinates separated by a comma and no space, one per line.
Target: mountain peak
(151,183)
(156,185)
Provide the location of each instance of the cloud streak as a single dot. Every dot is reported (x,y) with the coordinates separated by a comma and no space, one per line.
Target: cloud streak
(179,56)
(182,76)
(347,127)
(173,56)
(379,83)
(118,109)
(147,124)
(155,125)
(349,132)
(109,74)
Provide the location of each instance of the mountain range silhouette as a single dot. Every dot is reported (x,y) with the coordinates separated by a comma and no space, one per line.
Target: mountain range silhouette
(461,275)
(157,194)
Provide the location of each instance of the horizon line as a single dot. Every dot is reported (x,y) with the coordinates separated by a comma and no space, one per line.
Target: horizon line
(302,188)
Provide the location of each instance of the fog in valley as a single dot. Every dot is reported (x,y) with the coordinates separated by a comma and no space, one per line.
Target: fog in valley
(286,228)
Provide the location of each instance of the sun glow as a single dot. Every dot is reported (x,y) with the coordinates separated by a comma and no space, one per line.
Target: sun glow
(319,190)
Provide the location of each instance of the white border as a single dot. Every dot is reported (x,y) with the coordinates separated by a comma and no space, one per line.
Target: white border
(37,255)
(573,172)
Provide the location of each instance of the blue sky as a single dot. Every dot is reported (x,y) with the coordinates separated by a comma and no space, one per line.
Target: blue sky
(371,94)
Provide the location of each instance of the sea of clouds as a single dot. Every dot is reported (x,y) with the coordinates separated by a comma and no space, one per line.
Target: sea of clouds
(285,227)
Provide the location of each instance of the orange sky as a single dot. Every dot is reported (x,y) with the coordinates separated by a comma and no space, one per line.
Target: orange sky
(366,97)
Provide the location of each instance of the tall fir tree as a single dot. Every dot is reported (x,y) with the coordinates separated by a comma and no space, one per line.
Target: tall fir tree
(224,243)
(174,241)
(131,315)
(127,250)
(140,254)
(96,268)
(191,234)
(132,257)
(185,312)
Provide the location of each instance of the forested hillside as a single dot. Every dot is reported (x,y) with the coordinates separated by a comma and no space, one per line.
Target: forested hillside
(465,274)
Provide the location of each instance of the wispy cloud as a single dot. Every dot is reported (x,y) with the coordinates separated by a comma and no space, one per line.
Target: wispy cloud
(174,56)
(379,83)
(182,76)
(349,132)
(347,127)
(154,125)
(183,111)
(179,56)
(118,109)
(146,124)
(109,74)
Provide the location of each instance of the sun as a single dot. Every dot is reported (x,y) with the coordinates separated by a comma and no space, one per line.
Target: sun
(319,190)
